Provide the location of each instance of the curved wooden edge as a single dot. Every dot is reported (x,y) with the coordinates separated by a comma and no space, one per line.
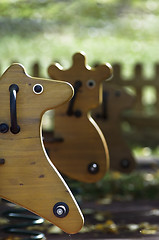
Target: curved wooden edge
(28,178)
(87,98)
(103,71)
(117,100)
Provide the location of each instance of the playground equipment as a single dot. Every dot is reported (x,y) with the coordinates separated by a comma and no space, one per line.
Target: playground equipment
(108,117)
(28,177)
(78,148)
(18,222)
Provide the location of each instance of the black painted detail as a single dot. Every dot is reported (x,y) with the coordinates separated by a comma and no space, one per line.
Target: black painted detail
(70,111)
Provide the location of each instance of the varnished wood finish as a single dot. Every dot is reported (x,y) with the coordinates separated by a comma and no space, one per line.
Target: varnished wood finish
(28,177)
(108,116)
(83,142)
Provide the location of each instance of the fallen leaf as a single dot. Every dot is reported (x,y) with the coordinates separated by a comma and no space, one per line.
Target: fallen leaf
(148,231)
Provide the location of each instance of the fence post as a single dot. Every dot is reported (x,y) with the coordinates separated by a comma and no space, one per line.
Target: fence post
(138,84)
(117,78)
(156,81)
(36,70)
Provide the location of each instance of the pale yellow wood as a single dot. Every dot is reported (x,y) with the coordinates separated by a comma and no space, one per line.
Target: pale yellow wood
(116,101)
(83,142)
(28,177)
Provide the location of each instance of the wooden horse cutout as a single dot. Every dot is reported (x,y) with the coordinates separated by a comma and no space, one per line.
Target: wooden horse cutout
(108,117)
(28,177)
(77,136)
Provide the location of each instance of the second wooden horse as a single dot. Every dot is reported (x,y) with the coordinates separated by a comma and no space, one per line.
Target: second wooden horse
(79,149)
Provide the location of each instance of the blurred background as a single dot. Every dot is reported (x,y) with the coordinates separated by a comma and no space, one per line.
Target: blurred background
(106,30)
(116,31)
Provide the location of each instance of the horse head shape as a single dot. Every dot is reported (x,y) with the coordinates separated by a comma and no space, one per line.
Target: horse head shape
(28,177)
(77,136)
(115,100)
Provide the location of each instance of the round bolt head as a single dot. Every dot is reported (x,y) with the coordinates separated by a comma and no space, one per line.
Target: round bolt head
(4,128)
(93,168)
(60,209)
(37,88)
(78,113)
(125,163)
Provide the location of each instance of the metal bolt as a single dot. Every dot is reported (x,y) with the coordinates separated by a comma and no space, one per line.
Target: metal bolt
(60,209)
(4,128)
(38,88)
(125,163)
(2,161)
(78,113)
(93,168)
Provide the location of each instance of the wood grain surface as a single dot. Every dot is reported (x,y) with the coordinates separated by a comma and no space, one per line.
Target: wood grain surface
(78,141)
(28,177)
(109,118)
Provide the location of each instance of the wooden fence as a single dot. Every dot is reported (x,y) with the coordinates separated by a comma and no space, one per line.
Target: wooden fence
(144,116)
(138,82)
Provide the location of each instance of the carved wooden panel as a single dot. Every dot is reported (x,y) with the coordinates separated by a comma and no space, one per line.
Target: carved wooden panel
(109,119)
(79,148)
(28,177)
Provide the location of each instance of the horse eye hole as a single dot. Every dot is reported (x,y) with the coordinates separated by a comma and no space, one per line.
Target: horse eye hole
(91,83)
(37,88)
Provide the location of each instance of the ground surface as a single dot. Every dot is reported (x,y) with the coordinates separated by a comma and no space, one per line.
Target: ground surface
(117,220)
(105,218)
(131,220)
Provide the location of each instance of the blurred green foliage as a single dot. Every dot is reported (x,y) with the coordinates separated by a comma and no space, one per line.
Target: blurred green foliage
(106,30)
(119,187)
(131,18)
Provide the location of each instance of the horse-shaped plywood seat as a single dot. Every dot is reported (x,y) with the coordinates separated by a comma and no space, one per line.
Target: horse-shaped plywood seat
(109,118)
(28,177)
(77,136)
